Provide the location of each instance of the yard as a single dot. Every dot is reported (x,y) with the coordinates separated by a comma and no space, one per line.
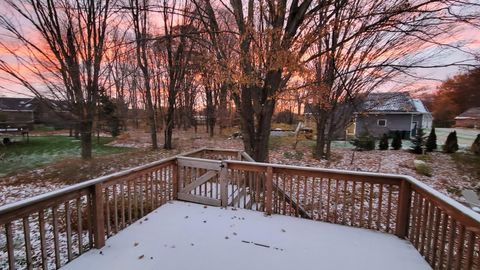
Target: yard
(42,150)
(51,162)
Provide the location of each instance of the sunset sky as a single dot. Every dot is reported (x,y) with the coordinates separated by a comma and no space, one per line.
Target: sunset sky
(427,79)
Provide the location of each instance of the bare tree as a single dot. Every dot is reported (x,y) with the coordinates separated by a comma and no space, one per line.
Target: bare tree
(61,53)
(368,45)
(269,38)
(176,47)
(140,18)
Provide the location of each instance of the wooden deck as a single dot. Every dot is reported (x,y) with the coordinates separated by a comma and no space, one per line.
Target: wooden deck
(51,230)
(182,235)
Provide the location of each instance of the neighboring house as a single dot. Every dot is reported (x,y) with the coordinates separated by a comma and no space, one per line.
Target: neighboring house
(390,112)
(16,112)
(469,119)
(25,112)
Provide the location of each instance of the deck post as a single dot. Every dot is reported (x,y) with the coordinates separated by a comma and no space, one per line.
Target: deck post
(175,180)
(98,216)
(269,190)
(223,184)
(403,213)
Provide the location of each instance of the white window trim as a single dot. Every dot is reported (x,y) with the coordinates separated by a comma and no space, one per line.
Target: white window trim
(378,122)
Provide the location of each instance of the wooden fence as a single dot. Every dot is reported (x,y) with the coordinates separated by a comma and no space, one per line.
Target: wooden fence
(50,230)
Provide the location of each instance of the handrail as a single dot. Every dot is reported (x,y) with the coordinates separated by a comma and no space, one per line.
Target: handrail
(5,209)
(437,225)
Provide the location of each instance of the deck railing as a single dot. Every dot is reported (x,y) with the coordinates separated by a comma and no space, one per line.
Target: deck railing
(445,232)
(50,230)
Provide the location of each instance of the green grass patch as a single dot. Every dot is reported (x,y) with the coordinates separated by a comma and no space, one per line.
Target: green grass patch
(42,150)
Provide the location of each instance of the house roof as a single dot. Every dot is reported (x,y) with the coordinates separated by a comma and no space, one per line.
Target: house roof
(386,103)
(393,103)
(16,104)
(472,113)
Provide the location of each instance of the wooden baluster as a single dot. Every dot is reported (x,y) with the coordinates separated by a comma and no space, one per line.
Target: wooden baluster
(344,206)
(403,211)
(224,185)
(379,208)
(175,183)
(451,243)
(152,192)
(284,188)
(335,213)
(362,201)
(79,226)
(314,189)
(10,246)
(107,210)
(428,247)
(156,182)
(135,199)
(55,236)
(470,250)
(28,243)
(320,200)
(140,194)
(460,247)
(129,200)
(115,208)
(370,205)
(68,225)
(436,227)
(98,216)
(122,201)
(353,210)
(443,238)
(269,190)
(297,212)
(43,241)
(424,227)
(90,218)
(329,182)
(389,207)
(419,221)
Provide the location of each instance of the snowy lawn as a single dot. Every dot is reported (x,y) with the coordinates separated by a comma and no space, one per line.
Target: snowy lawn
(183,235)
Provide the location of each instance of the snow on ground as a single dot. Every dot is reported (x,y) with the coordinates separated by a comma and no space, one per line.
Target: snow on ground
(183,235)
(13,193)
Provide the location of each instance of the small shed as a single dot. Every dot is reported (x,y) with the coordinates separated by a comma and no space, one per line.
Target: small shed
(469,119)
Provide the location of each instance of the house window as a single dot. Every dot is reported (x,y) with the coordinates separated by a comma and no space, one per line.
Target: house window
(382,122)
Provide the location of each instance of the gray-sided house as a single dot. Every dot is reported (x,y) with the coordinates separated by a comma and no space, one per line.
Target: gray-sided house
(390,112)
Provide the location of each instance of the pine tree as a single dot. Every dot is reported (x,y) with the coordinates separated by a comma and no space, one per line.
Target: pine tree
(417,142)
(397,141)
(383,145)
(476,146)
(451,144)
(431,141)
(364,143)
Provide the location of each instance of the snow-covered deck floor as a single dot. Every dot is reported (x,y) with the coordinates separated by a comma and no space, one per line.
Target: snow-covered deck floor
(189,236)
